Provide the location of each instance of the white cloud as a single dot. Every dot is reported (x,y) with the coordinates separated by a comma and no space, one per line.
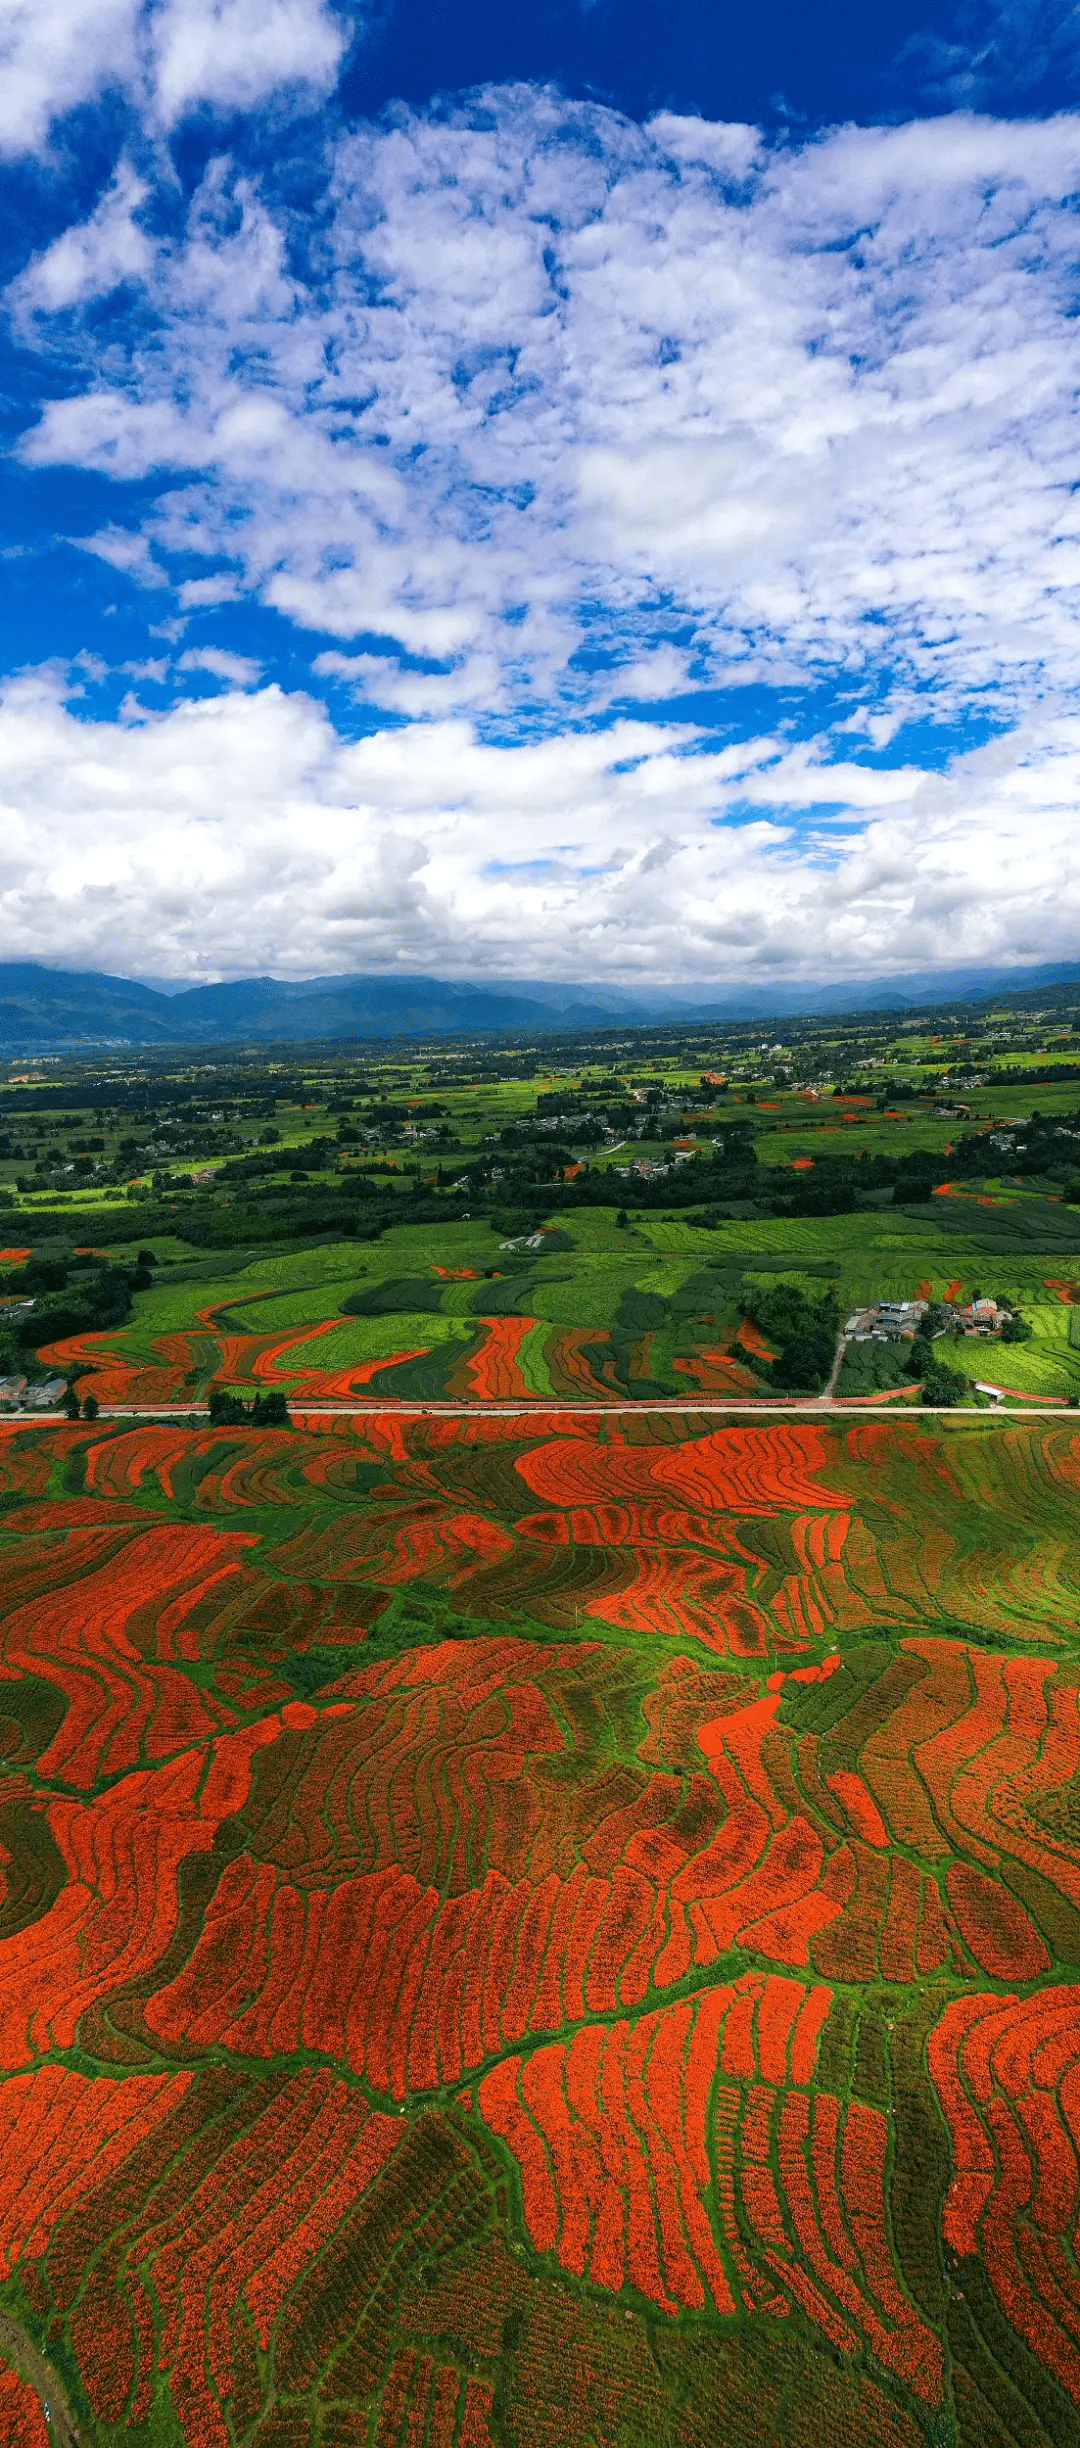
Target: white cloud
(378,680)
(196,594)
(89,261)
(124,551)
(238,52)
(1018,46)
(826,416)
(241,833)
(169,58)
(220,664)
(587,414)
(53,58)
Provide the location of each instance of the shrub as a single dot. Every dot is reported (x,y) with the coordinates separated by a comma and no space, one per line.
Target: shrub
(228,1411)
(944,1387)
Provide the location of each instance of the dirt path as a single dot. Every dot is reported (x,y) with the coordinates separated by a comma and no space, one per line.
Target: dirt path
(841,1347)
(25,2358)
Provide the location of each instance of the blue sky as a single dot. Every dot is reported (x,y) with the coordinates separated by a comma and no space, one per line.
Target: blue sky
(585,492)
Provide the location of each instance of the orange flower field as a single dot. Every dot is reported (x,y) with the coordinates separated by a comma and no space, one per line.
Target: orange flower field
(515,1929)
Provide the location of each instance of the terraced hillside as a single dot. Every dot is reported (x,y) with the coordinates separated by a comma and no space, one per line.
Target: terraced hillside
(517,1929)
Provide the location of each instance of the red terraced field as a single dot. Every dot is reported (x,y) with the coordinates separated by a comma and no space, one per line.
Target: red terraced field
(561,1871)
(493,1374)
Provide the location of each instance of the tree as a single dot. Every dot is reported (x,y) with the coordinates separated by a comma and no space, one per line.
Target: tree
(803,1332)
(943,1388)
(229,1411)
(71,1403)
(90,1407)
(1017,1330)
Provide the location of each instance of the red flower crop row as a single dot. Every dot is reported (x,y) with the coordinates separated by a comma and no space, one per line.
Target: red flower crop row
(559,1941)
(609,2133)
(686,1596)
(1007,2072)
(995,1926)
(59,2132)
(123,1704)
(102,1368)
(742,1470)
(276,1968)
(493,1372)
(22,2423)
(840,2239)
(240,2219)
(117,1913)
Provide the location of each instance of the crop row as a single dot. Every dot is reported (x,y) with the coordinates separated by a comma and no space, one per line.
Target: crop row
(618,2151)
(234,2210)
(546,1901)
(633,1518)
(424,2400)
(114,1643)
(59,2132)
(521,1903)
(1007,2071)
(741,1470)
(22,2423)
(412,1992)
(117,1913)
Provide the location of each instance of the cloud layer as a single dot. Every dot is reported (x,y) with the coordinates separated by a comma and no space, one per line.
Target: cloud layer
(551,423)
(816,406)
(167,58)
(242,833)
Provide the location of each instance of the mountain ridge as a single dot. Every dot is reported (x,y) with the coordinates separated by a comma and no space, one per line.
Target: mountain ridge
(46,1010)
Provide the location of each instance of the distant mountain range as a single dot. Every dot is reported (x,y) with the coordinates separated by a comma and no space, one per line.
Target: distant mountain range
(76,1011)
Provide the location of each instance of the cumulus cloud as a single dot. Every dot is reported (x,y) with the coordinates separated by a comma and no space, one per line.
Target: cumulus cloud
(568,416)
(241,832)
(240,670)
(167,56)
(92,259)
(124,550)
(558,378)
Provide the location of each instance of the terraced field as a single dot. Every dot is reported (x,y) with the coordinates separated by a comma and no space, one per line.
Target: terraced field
(517,1929)
(452,1312)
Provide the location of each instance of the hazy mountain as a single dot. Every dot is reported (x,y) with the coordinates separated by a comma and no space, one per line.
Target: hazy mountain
(57,1010)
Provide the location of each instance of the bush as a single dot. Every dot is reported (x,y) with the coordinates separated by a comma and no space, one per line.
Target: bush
(943,1387)
(230,1411)
(803,1332)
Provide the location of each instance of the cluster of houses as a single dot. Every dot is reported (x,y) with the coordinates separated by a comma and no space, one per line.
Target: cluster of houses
(889,1321)
(17,1395)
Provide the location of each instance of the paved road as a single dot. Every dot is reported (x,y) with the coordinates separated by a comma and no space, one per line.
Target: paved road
(813,1406)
